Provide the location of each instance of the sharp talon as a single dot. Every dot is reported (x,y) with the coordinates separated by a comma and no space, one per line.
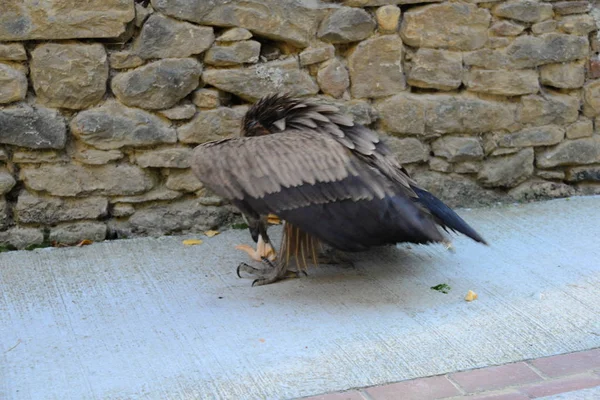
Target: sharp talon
(271,271)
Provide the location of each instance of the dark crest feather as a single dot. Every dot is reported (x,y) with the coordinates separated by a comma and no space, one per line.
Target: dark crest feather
(272,112)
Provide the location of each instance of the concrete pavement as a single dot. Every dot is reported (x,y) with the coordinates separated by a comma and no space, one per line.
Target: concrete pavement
(154,319)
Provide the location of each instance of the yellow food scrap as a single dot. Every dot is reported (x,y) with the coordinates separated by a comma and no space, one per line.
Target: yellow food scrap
(211,233)
(449,246)
(192,242)
(273,219)
(471,295)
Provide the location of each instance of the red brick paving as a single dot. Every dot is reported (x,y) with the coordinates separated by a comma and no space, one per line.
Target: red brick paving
(352,395)
(568,364)
(512,395)
(436,387)
(516,381)
(491,378)
(562,385)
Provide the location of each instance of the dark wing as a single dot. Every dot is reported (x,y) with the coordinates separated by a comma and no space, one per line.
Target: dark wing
(318,184)
(367,147)
(260,166)
(445,216)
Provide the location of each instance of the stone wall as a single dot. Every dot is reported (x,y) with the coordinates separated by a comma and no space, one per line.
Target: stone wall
(101,102)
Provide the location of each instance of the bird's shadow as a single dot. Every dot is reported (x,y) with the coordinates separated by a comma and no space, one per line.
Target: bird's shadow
(381,276)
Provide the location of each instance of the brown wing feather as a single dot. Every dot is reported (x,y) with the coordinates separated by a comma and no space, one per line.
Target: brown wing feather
(258,166)
(326,120)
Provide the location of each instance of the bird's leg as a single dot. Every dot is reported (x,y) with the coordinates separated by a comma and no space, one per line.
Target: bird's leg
(296,246)
(257,225)
(263,250)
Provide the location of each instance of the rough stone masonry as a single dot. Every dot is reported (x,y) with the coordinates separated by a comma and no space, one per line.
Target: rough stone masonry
(102,102)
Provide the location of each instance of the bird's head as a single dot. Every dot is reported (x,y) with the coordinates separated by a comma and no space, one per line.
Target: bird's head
(268,115)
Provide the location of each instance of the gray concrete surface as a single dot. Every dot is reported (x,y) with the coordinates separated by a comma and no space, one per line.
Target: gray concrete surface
(154,319)
(585,394)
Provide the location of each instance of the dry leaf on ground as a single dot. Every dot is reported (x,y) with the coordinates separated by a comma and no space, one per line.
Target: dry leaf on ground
(211,233)
(192,242)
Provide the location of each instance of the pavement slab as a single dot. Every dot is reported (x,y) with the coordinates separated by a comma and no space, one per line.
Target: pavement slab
(151,318)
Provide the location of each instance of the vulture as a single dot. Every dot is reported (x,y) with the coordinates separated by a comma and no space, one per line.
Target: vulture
(332,181)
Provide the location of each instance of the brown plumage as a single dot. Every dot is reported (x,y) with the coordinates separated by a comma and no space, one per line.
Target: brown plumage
(333,181)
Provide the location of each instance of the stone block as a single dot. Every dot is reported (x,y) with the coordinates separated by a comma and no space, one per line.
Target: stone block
(346,25)
(408,150)
(174,157)
(563,75)
(7,181)
(212,124)
(22,238)
(388,18)
(12,52)
(507,171)
(44,128)
(69,75)
(436,69)
(47,210)
(452,26)
(75,232)
(457,148)
(70,180)
(524,10)
(293,22)
(551,108)
(158,85)
(64,19)
(376,67)
(114,125)
(270,77)
(333,78)
(570,152)
(547,135)
(13,84)
(506,83)
(164,37)
(316,54)
(242,52)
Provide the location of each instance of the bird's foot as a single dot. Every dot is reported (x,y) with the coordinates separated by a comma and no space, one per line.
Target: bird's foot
(271,272)
(263,250)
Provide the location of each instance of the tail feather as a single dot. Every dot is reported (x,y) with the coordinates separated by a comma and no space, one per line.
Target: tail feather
(446,216)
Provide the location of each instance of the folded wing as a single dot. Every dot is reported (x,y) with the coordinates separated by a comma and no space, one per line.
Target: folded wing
(318,184)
